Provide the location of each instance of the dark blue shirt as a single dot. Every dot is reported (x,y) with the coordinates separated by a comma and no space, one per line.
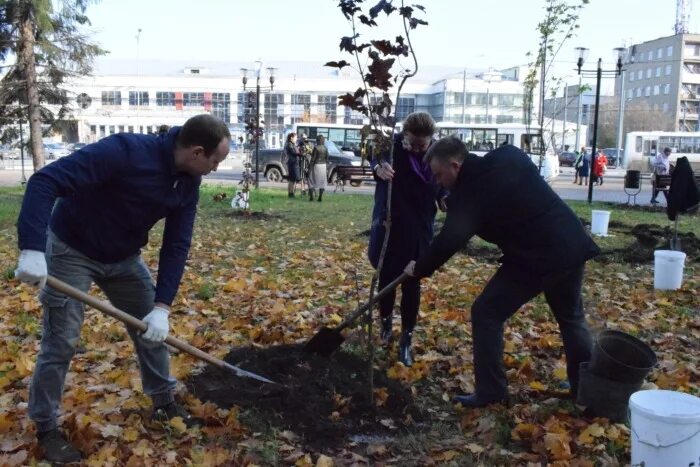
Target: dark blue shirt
(110,194)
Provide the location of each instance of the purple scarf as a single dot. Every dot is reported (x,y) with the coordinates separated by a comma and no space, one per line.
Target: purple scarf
(421,168)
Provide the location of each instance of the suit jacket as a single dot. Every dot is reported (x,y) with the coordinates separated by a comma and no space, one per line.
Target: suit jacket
(413,211)
(502,198)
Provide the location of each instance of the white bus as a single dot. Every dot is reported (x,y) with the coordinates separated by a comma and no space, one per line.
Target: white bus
(346,137)
(642,146)
(482,138)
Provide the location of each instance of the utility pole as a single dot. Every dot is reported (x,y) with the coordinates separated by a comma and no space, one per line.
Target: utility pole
(578,115)
(464,96)
(620,118)
(138,80)
(563,125)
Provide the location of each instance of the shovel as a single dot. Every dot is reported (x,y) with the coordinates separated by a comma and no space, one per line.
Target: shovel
(108,309)
(675,241)
(327,340)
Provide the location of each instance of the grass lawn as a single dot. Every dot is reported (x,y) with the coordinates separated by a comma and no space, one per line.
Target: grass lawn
(276,276)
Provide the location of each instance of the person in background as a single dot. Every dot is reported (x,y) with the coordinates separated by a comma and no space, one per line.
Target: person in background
(544,245)
(601,166)
(413,209)
(585,167)
(317,168)
(84,220)
(661,166)
(291,152)
(577,164)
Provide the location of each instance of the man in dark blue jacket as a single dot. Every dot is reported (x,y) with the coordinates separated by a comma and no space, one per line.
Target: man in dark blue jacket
(413,208)
(110,194)
(501,198)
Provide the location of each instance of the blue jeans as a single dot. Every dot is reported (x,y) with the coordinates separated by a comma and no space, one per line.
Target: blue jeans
(129,287)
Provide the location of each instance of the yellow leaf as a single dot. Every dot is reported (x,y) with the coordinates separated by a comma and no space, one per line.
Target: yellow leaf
(142,449)
(558,446)
(446,456)
(523,431)
(537,386)
(178,424)
(235,285)
(380,396)
(475,448)
(324,461)
(588,435)
(560,373)
(130,434)
(304,461)
(24,364)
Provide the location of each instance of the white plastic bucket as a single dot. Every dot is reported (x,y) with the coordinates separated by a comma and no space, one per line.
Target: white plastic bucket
(668,269)
(665,428)
(599,222)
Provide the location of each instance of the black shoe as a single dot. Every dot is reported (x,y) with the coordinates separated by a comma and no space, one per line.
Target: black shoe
(55,448)
(386,334)
(474,401)
(166,413)
(405,355)
(311,195)
(653,201)
(290,195)
(320,194)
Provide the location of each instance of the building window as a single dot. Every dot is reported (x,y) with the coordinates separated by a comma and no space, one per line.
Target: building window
(327,108)
(660,52)
(639,92)
(111,98)
(165,99)
(647,91)
(246,107)
(668,70)
(650,55)
(221,106)
(665,107)
(667,88)
(301,108)
(658,71)
(274,110)
(138,98)
(407,105)
(631,76)
(669,51)
(640,74)
(648,73)
(630,93)
(504,119)
(193,99)
(656,90)
(692,50)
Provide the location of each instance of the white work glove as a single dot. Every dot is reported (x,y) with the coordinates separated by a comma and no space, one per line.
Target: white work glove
(157,321)
(31,267)
(385,171)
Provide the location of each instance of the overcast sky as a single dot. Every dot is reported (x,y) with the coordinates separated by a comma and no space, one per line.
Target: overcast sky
(461,33)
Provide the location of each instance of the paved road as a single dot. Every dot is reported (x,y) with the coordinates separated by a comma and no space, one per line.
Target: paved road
(611,191)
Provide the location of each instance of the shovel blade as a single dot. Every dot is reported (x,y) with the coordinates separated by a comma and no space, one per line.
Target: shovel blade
(325,342)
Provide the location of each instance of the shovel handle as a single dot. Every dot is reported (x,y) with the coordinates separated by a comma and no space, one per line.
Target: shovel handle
(109,309)
(381,294)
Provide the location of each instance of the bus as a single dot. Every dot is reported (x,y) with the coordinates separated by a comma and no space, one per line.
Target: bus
(346,137)
(642,146)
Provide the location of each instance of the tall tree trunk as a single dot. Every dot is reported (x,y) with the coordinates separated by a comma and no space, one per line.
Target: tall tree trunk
(28,66)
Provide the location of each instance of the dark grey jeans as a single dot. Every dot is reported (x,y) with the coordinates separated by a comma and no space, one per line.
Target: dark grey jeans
(505,293)
(129,287)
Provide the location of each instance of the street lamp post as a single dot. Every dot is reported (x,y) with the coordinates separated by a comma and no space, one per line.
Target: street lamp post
(582,54)
(257,70)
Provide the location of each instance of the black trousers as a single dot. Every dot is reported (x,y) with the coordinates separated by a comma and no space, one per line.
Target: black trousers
(410,294)
(505,293)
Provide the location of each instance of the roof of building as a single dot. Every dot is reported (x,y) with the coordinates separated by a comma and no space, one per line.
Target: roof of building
(300,69)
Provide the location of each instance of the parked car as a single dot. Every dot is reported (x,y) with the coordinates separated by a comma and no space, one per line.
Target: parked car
(9,152)
(76,146)
(567,158)
(271,165)
(55,150)
(613,154)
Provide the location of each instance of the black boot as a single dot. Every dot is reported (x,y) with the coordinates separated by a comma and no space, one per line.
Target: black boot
(311,194)
(385,333)
(320,194)
(55,448)
(405,355)
(290,195)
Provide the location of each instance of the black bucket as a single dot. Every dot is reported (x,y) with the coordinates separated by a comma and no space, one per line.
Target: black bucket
(604,397)
(620,357)
(633,179)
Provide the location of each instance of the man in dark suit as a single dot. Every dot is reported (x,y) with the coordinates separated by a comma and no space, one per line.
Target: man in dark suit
(501,198)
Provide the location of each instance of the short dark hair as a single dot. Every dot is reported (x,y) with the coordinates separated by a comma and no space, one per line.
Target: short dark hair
(420,124)
(290,136)
(667,149)
(444,149)
(203,130)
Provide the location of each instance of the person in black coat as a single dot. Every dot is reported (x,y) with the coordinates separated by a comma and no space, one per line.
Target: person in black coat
(501,198)
(413,208)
